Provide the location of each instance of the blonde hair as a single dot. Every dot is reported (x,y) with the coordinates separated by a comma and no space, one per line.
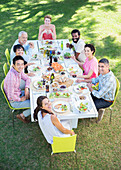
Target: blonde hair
(47,16)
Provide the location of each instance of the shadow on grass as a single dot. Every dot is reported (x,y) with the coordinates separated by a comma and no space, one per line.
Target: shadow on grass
(110,48)
(20,15)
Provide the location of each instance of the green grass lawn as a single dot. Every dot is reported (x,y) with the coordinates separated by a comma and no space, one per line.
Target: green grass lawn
(98,145)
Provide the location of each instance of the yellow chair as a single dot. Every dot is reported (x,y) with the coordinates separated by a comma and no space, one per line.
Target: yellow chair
(116,93)
(64,144)
(5,69)
(7,54)
(12,108)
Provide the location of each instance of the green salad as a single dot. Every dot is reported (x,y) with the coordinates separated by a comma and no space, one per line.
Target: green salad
(59,94)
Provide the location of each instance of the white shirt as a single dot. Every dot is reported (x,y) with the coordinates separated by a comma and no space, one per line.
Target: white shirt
(48,129)
(27,49)
(79,48)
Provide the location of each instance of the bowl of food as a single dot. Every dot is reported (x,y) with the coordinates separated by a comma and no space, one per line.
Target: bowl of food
(82,97)
(55,86)
(49,68)
(67,55)
(62,87)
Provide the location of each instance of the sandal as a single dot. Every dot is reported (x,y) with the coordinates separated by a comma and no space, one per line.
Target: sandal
(21,118)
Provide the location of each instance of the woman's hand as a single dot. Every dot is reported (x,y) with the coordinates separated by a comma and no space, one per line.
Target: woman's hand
(79,81)
(73,57)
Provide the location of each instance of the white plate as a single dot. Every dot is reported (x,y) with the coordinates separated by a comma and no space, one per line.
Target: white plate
(78,90)
(36,84)
(72,69)
(60,110)
(32,67)
(87,103)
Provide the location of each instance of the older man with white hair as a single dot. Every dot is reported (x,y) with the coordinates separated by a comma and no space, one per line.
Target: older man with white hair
(22,39)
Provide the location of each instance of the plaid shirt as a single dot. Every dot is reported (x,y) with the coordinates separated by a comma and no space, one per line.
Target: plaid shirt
(107,86)
(12,84)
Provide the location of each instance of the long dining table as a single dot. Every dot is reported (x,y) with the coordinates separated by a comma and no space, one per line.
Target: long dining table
(72,97)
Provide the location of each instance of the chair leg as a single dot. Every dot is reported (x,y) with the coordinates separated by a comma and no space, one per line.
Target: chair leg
(76,159)
(110,115)
(51,161)
(13,117)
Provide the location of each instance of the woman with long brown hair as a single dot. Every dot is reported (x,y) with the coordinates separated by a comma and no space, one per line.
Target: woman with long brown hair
(48,122)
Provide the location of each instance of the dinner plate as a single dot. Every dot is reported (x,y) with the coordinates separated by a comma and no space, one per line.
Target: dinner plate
(80,90)
(85,106)
(72,69)
(35,84)
(57,106)
(34,68)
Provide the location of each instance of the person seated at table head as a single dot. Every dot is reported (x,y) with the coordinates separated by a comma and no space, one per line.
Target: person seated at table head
(90,66)
(104,96)
(22,39)
(48,122)
(78,46)
(19,50)
(47,30)
(16,97)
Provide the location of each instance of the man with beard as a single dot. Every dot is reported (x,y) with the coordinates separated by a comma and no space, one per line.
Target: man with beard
(78,45)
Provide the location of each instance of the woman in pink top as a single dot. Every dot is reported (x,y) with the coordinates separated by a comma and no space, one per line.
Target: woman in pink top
(90,66)
(47,30)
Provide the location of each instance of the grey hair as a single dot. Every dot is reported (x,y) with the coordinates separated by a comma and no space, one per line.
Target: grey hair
(104,60)
(21,32)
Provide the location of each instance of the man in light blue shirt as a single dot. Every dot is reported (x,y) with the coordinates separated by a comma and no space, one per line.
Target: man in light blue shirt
(22,39)
(104,96)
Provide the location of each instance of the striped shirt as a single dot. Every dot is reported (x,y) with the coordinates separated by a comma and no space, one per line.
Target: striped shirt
(107,86)
(12,84)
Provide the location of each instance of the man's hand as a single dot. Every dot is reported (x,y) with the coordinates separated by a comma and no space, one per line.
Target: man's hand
(31,45)
(29,64)
(23,98)
(90,86)
(31,74)
(27,95)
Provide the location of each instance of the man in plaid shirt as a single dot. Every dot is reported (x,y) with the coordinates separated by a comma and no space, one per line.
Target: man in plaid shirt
(18,98)
(104,96)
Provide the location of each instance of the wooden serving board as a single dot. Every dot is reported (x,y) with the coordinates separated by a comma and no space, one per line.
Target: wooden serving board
(67,83)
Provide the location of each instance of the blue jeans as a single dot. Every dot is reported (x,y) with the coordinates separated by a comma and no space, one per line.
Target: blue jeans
(100,103)
(23,104)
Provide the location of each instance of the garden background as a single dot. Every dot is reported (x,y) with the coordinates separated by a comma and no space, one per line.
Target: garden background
(98,145)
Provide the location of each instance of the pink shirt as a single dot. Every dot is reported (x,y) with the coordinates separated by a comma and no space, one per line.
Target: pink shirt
(91,65)
(12,84)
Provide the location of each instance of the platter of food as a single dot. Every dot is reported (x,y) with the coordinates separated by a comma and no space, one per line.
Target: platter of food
(34,68)
(59,95)
(72,70)
(38,84)
(61,106)
(81,88)
(83,106)
(46,76)
(57,67)
(64,80)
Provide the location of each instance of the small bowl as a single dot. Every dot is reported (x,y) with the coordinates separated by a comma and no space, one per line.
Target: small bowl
(62,87)
(82,97)
(62,73)
(55,89)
